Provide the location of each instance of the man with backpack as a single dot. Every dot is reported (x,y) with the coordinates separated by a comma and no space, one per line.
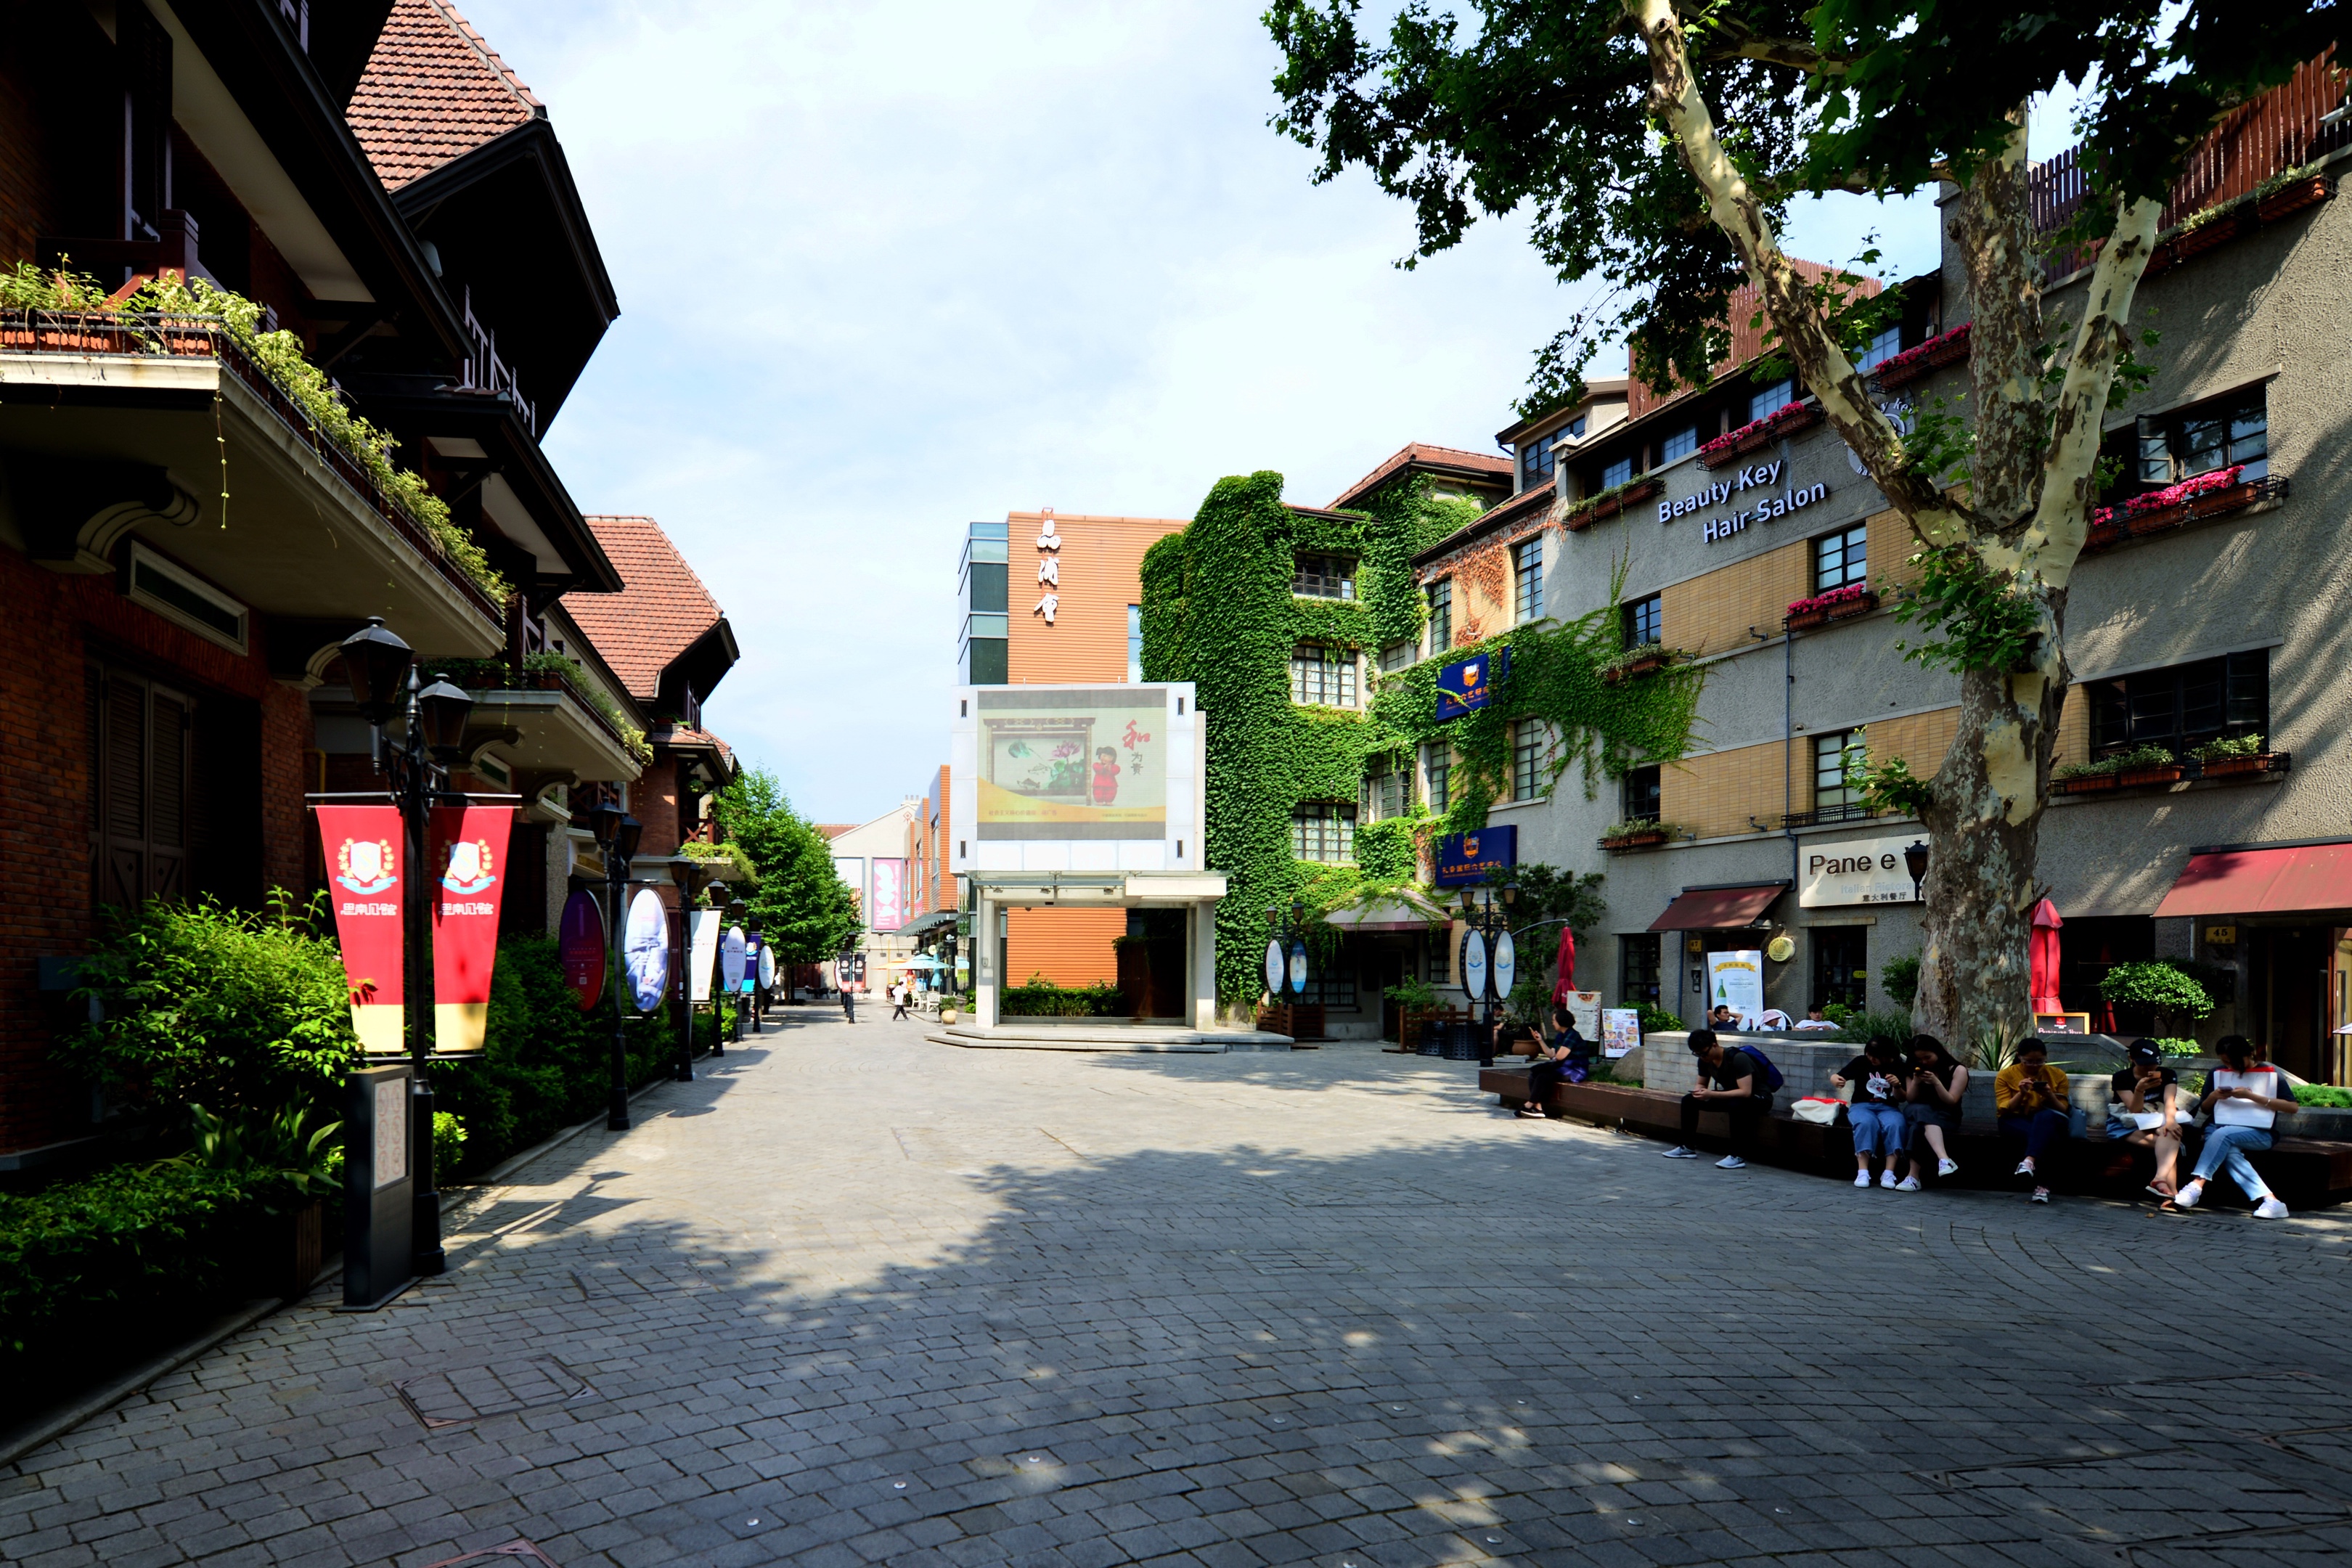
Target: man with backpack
(1737,1080)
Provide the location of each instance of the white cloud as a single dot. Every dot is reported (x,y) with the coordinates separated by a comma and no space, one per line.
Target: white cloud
(887,269)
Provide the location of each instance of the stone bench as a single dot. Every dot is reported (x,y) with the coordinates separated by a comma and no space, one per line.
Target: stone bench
(2303,1170)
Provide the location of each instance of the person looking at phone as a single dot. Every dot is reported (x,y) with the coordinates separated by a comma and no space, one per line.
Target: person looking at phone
(2244,1098)
(1880,1086)
(1731,1082)
(2144,1109)
(2030,1097)
(1933,1111)
(1566,1059)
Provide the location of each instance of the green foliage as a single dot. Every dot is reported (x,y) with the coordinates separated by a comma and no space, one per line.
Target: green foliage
(1038,997)
(1412,993)
(1980,619)
(2325,1096)
(799,904)
(1218,611)
(242,1012)
(1860,1027)
(448,1146)
(2157,985)
(2178,1046)
(1654,1017)
(545,1063)
(282,1160)
(93,1257)
(1887,786)
(2122,761)
(1548,893)
(2220,750)
(1899,977)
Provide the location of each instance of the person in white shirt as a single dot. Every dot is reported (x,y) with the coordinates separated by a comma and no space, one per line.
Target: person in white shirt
(2245,1099)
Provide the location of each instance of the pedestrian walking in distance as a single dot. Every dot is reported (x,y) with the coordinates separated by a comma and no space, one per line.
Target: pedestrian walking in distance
(899,994)
(848,1004)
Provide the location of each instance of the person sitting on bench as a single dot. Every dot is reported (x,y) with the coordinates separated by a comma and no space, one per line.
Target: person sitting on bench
(2144,1107)
(2030,1097)
(1568,1060)
(1938,1084)
(1876,1111)
(2243,1097)
(1730,1080)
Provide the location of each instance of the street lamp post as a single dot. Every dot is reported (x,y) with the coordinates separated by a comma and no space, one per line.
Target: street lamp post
(1287,939)
(382,670)
(1493,918)
(736,909)
(616,834)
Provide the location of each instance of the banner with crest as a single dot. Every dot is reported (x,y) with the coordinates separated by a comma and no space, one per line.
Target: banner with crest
(364,870)
(466,847)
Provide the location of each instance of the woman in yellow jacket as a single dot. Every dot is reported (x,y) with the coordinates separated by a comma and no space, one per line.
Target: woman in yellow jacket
(2030,1097)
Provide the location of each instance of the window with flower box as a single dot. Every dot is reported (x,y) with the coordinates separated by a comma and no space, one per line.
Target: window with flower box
(1771,400)
(1841,557)
(1642,795)
(2228,432)
(2181,707)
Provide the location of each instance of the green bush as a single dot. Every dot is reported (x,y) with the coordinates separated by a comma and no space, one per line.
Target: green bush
(95,1256)
(1038,997)
(2161,988)
(1861,1027)
(245,1013)
(1656,1017)
(2322,1094)
(1899,977)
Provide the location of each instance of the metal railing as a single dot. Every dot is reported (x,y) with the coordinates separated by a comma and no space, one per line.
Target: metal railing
(82,333)
(484,370)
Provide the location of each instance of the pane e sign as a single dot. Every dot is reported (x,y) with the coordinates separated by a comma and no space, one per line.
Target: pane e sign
(1856,871)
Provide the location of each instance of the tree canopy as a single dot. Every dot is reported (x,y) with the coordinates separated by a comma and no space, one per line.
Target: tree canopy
(803,909)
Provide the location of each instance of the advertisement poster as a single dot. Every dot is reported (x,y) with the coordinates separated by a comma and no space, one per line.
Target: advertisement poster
(702,952)
(467,845)
(644,949)
(362,847)
(580,944)
(1621,1030)
(1464,859)
(1087,763)
(889,906)
(767,966)
(730,961)
(755,950)
(1299,968)
(1736,980)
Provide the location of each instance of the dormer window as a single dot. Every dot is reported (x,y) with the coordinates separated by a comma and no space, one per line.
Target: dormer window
(1324,577)
(1536,457)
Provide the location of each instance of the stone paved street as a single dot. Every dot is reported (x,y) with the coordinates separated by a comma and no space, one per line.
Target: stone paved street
(857,1298)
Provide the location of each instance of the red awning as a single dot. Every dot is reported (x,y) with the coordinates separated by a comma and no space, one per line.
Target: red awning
(2262,881)
(1719,908)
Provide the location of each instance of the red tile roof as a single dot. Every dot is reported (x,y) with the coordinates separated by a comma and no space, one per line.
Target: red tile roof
(1428,454)
(433,91)
(835,829)
(661,610)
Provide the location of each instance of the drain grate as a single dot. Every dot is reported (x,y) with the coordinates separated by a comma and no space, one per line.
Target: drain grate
(516,1548)
(460,1395)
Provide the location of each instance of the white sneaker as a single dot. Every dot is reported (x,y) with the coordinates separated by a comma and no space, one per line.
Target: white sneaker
(1679,1152)
(2024,1168)
(1947,1167)
(1731,1163)
(1862,1178)
(1907,1184)
(1886,1180)
(2270,1208)
(2041,1195)
(2188,1197)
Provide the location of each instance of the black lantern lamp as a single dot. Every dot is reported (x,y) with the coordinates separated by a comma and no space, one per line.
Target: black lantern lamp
(1510,895)
(604,822)
(626,833)
(1915,860)
(442,710)
(375,662)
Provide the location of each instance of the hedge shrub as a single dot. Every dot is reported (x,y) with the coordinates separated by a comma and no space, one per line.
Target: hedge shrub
(91,1257)
(1038,997)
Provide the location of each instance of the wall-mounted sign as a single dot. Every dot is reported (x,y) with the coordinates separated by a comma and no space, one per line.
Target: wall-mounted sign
(2221,936)
(1469,683)
(1736,980)
(1760,476)
(1049,571)
(1765,510)
(581,946)
(1085,778)
(1856,871)
(888,910)
(1463,858)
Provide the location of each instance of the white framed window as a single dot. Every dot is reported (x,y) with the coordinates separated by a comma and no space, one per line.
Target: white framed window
(1397,656)
(1616,473)
(1771,400)
(1320,830)
(1323,677)
(1529,753)
(1388,790)
(1323,576)
(1831,788)
(1681,444)
(1441,616)
(180,597)
(1527,580)
(1436,771)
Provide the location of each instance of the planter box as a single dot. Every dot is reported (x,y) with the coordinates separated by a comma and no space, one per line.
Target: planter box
(2197,241)
(1809,618)
(1611,506)
(2131,777)
(283,1252)
(1648,664)
(2290,199)
(2214,503)
(2232,767)
(1636,840)
(1843,610)
(2090,784)
(1951,348)
(1725,450)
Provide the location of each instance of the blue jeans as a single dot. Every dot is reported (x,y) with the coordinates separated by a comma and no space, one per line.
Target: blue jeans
(2228,1146)
(2039,1130)
(1877,1128)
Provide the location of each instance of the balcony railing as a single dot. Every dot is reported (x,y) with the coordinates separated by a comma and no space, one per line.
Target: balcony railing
(484,370)
(81,334)
(2285,128)
(1822,815)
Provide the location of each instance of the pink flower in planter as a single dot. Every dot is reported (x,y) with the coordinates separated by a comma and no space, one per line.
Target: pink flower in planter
(2170,496)
(1848,595)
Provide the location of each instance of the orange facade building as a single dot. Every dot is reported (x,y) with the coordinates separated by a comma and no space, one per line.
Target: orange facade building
(1059,613)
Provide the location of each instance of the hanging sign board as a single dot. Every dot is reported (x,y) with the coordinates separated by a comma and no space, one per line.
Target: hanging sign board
(1474,965)
(1468,684)
(730,961)
(1274,967)
(362,844)
(1507,964)
(644,950)
(466,846)
(702,952)
(767,966)
(1464,859)
(1299,968)
(1736,980)
(755,950)
(581,946)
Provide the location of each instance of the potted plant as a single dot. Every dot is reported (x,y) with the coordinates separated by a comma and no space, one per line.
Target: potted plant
(2228,758)
(1609,502)
(1837,604)
(1639,833)
(1636,662)
(2201,231)
(2082,778)
(2290,191)
(2146,765)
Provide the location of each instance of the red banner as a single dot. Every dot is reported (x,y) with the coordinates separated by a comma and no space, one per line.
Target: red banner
(364,870)
(467,848)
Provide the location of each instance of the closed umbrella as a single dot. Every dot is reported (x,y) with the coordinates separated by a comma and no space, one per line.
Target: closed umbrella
(2042,958)
(1566,981)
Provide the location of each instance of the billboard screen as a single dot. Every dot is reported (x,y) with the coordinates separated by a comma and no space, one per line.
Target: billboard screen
(1077,778)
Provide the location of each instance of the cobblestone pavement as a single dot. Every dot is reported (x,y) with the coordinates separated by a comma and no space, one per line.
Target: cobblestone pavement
(856,1298)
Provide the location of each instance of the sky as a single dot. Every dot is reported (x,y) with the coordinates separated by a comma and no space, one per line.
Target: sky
(885,269)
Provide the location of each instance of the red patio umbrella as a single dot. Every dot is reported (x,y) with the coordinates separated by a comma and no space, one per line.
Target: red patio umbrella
(2042,958)
(1566,981)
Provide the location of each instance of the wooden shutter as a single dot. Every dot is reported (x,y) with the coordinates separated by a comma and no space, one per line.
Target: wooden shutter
(143,777)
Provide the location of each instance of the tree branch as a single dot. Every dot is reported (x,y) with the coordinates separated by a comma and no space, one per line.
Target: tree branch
(1805,335)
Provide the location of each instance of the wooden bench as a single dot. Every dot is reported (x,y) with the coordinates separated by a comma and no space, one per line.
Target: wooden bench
(2305,1171)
